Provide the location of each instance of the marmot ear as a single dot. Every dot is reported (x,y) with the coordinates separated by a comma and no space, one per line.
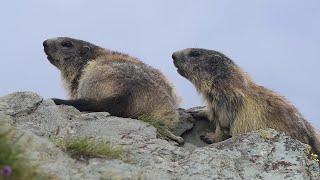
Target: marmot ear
(84,50)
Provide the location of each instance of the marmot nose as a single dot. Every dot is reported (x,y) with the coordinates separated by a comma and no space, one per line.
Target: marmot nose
(45,43)
(174,56)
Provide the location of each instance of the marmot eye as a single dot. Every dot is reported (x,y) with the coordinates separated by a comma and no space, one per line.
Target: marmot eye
(67,44)
(194,54)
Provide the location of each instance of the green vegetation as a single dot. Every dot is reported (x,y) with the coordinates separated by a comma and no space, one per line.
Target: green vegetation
(87,148)
(13,163)
(265,134)
(162,131)
(314,157)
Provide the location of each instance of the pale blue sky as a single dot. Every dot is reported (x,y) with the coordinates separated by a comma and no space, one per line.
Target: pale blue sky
(276,42)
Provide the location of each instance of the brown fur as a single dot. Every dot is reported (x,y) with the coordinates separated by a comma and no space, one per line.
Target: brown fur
(98,79)
(237,103)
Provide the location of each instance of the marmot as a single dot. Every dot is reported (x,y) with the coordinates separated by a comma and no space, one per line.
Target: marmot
(237,103)
(99,79)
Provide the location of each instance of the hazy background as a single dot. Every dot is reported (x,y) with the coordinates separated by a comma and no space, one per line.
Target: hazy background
(277,43)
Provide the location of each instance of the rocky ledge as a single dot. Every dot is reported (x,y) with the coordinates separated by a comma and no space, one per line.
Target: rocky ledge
(137,153)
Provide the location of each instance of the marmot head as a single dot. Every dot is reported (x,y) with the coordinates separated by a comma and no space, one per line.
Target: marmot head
(66,52)
(204,64)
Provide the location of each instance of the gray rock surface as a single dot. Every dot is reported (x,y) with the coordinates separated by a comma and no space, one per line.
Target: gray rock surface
(265,154)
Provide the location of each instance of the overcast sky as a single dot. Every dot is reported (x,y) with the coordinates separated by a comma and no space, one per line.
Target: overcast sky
(276,42)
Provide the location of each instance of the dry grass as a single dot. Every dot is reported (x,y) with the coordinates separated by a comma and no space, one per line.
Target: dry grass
(84,148)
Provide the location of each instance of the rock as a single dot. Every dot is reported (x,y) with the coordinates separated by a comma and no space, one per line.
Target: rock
(200,125)
(251,156)
(186,123)
(265,154)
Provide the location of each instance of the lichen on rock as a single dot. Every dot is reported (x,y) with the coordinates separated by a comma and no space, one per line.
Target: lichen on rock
(265,154)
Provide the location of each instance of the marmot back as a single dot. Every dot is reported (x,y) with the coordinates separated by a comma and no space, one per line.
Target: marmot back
(236,102)
(98,79)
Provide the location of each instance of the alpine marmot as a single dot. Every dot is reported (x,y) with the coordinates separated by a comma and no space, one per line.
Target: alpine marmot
(99,79)
(237,103)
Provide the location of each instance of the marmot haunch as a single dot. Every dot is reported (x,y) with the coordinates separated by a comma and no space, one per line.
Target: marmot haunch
(99,79)
(237,103)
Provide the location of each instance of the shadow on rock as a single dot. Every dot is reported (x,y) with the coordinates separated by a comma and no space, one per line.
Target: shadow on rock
(193,123)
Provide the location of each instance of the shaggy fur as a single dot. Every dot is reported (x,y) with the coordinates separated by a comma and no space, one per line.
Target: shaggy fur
(237,103)
(98,79)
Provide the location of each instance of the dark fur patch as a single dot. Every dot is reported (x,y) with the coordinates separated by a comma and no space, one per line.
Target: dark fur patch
(116,106)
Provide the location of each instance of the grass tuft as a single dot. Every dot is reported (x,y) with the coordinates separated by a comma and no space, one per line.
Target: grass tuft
(84,148)
(314,157)
(163,131)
